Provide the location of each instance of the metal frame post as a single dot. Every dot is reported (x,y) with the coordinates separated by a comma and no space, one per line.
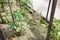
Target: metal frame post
(51,18)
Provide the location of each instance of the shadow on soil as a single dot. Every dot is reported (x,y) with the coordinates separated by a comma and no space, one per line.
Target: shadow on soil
(37,35)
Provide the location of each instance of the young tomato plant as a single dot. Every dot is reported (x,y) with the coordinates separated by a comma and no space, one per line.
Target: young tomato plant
(19,21)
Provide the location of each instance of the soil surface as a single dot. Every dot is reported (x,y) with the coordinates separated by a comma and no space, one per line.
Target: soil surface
(33,34)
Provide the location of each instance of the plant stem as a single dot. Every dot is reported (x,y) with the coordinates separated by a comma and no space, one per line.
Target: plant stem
(11,10)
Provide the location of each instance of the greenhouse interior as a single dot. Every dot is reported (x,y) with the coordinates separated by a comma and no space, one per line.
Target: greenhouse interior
(29,19)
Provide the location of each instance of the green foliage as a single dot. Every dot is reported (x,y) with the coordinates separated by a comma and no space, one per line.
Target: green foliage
(57,27)
(58,35)
(55,31)
(0,7)
(20,18)
(19,26)
(24,1)
(5,18)
(3,0)
(56,24)
(19,21)
(43,22)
